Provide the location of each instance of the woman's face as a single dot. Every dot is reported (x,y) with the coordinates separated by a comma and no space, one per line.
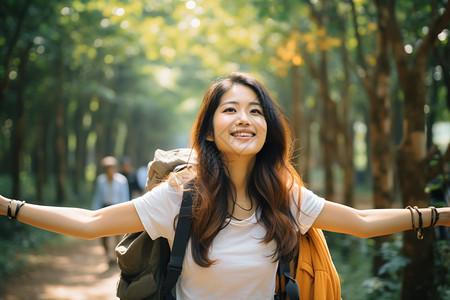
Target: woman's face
(240,128)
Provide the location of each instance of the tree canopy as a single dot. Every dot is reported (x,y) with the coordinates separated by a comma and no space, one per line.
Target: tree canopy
(362,83)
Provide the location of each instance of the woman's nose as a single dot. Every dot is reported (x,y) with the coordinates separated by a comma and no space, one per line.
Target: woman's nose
(243,119)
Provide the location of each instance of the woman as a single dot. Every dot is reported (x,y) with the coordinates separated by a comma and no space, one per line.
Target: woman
(249,206)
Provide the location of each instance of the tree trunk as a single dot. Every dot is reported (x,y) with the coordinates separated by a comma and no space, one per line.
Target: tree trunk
(80,148)
(444,62)
(144,150)
(431,117)
(131,140)
(412,162)
(329,113)
(40,160)
(328,144)
(297,108)
(419,274)
(61,146)
(100,142)
(11,45)
(18,148)
(308,146)
(49,144)
(376,82)
(347,152)
(328,126)
(380,130)
(111,130)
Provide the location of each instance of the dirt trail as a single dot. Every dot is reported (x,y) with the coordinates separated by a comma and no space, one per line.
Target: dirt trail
(76,271)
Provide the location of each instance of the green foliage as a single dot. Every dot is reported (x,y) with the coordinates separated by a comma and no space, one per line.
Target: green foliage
(352,257)
(130,76)
(388,282)
(153,56)
(442,265)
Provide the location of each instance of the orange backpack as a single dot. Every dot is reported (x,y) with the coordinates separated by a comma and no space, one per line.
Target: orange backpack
(315,272)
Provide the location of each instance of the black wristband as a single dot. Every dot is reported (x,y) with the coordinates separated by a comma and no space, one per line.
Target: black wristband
(419,230)
(412,217)
(18,207)
(434,216)
(18,204)
(9,213)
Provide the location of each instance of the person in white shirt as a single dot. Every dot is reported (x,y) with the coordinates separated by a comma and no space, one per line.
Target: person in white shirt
(249,201)
(111,188)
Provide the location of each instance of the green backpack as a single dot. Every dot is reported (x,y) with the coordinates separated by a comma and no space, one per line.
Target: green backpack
(149,270)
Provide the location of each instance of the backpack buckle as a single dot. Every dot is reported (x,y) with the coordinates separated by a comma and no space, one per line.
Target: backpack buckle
(174,267)
(173,272)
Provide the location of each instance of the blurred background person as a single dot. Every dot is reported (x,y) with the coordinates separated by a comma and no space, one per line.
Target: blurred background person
(141,175)
(127,170)
(111,188)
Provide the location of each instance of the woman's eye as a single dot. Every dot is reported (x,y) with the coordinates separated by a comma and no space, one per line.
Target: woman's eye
(256,111)
(229,109)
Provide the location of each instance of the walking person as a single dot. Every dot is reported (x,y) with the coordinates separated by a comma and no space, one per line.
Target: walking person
(127,170)
(249,202)
(111,188)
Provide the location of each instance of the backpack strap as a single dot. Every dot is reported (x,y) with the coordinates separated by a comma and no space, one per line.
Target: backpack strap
(290,286)
(179,244)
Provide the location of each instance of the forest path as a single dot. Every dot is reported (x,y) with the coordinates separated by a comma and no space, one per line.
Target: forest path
(75,271)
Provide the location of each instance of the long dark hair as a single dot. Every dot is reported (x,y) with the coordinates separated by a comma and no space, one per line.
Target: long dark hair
(271,180)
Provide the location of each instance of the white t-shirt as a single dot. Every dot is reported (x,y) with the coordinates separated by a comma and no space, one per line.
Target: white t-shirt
(244,267)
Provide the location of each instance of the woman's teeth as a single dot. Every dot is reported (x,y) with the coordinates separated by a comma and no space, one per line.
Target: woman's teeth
(242,134)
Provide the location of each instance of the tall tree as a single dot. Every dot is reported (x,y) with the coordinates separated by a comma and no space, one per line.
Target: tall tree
(16,13)
(346,153)
(412,158)
(299,123)
(376,82)
(19,133)
(320,72)
(61,131)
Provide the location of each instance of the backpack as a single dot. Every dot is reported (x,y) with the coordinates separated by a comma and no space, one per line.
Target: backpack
(148,269)
(145,263)
(314,269)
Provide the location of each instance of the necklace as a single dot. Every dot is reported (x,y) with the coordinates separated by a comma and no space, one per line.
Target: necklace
(241,207)
(230,216)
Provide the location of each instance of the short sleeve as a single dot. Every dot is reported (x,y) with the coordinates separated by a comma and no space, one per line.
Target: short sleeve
(157,210)
(310,207)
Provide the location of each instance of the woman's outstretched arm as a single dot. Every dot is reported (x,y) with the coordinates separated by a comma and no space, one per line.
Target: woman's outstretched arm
(374,222)
(82,223)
